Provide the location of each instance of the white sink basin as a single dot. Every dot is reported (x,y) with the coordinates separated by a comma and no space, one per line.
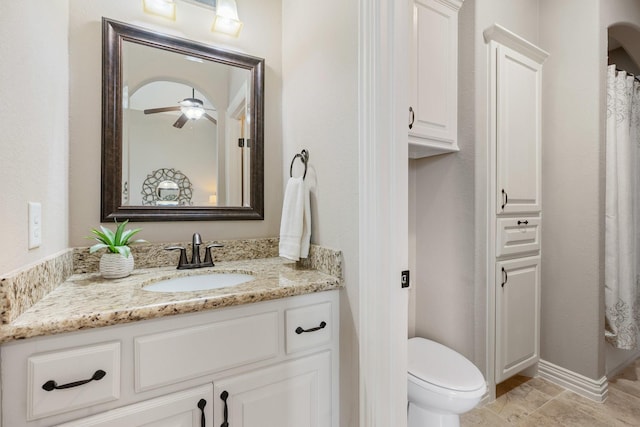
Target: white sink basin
(200,282)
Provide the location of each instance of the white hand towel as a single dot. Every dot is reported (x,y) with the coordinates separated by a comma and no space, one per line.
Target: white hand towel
(295,225)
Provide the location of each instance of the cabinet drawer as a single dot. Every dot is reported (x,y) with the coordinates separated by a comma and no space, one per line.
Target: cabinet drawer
(76,378)
(170,357)
(308,327)
(517,235)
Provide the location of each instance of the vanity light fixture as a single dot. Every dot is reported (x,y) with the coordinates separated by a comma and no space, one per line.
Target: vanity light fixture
(226,20)
(164,8)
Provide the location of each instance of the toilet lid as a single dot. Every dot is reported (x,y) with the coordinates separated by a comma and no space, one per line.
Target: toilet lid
(441,366)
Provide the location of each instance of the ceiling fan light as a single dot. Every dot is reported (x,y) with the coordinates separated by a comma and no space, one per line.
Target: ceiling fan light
(164,8)
(226,20)
(193,112)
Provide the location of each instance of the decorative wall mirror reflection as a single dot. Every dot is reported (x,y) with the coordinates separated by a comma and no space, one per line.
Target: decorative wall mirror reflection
(174,108)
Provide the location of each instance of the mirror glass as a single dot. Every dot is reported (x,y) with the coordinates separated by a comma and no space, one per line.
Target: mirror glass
(182,128)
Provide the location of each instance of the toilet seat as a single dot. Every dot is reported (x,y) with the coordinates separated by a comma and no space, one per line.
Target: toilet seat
(434,366)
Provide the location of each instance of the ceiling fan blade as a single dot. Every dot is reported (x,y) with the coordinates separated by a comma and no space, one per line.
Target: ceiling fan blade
(181,121)
(161,110)
(211,119)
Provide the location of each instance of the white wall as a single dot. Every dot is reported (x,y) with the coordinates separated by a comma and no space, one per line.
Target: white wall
(261,36)
(34,101)
(320,110)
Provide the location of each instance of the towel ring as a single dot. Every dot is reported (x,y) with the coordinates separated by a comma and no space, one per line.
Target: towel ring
(304,158)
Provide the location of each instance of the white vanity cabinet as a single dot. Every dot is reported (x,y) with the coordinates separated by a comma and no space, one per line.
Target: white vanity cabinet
(515,209)
(433,110)
(277,360)
(293,393)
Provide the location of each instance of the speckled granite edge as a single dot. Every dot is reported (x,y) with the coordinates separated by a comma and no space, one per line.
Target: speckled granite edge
(22,289)
(19,291)
(87,300)
(154,255)
(323,259)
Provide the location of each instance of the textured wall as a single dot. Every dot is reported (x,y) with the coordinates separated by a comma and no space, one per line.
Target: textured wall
(320,110)
(34,143)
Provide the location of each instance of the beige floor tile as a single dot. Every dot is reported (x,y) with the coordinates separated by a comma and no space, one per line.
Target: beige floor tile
(539,403)
(545,386)
(558,413)
(482,417)
(510,383)
(619,409)
(627,380)
(518,403)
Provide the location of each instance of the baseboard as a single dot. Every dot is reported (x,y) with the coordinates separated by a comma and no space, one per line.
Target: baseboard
(592,389)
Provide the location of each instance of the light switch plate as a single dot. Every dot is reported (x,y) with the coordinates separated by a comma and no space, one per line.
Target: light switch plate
(35,225)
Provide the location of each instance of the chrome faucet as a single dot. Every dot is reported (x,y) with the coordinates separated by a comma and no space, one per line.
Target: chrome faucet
(195,262)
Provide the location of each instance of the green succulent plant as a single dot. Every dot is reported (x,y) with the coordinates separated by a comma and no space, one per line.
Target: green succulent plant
(118,242)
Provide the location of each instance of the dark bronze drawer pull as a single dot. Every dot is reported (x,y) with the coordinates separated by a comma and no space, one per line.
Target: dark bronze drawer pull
(299,330)
(52,385)
(201,404)
(224,396)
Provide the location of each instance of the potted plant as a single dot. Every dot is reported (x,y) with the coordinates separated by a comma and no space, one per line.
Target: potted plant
(117,262)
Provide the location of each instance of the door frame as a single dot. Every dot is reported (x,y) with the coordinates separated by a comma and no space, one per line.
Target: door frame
(383,210)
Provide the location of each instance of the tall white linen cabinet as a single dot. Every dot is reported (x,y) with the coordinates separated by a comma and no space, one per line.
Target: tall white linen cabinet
(514,206)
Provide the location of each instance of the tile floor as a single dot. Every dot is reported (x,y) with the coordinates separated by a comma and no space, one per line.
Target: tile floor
(535,402)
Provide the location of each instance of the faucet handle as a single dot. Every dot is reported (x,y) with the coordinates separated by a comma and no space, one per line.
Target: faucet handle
(183,254)
(208,259)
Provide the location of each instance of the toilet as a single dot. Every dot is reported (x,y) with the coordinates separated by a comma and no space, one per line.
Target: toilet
(442,384)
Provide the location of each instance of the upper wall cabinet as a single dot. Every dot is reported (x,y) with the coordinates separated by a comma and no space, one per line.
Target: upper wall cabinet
(433,110)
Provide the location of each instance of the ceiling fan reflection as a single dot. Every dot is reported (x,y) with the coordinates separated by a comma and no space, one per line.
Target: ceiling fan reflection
(191,109)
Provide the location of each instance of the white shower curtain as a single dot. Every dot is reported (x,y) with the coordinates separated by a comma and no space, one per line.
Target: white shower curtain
(622,216)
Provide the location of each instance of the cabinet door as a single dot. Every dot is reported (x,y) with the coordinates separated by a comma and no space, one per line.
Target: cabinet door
(189,408)
(518,132)
(517,315)
(290,394)
(433,113)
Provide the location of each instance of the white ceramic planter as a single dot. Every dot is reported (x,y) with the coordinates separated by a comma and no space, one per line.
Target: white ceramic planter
(115,266)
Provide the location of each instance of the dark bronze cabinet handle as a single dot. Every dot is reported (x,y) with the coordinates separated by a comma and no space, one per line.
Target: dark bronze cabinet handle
(505,198)
(525,222)
(299,330)
(52,385)
(225,422)
(413,117)
(506,277)
(201,404)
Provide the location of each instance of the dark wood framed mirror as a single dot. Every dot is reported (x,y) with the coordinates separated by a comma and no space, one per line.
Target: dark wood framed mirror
(182,129)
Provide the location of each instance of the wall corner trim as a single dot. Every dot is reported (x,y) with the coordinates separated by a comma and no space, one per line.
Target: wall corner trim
(596,390)
(507,38)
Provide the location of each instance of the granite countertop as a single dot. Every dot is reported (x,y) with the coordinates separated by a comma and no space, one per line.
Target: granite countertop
(89,301)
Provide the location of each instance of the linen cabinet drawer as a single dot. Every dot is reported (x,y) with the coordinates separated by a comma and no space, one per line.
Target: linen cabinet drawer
(518,235)
(77,378)
(169,357)
(308,327)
